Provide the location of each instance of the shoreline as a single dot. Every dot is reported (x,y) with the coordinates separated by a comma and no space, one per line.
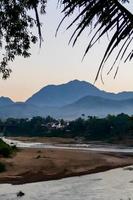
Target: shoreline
(37,178)
(36,165)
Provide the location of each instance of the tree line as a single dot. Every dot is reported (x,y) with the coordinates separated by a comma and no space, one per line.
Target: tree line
(90,128)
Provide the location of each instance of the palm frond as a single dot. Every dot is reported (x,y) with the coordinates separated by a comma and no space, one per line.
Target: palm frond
(102,16)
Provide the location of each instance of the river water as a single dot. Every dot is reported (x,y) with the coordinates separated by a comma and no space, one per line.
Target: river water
(85,147)
(115,184)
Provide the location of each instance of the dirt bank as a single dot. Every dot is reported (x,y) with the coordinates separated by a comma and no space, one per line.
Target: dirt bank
(32,165)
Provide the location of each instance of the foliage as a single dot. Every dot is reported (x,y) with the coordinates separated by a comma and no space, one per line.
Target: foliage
(102,17)
(36,126)
(5,149)
(91,128)
(2,167)
(16,23)
(111,127)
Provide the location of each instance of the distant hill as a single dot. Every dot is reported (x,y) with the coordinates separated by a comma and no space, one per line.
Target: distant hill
(24,110)
(5,101)
(18,110)
(60,95)
(89,105)
(69,100)
(98,106)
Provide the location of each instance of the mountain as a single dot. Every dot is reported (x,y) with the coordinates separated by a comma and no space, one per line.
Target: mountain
(18,110)
(24,110)
(69,101)
(60,95)
(5,101)
(121,95)
(88,105)
(98,106)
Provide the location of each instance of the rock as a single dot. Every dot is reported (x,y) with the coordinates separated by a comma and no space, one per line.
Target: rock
(20,194)
(129,168)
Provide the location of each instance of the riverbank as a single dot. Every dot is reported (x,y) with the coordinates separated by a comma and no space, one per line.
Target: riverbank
(72,141)
(46,140)
(33,165)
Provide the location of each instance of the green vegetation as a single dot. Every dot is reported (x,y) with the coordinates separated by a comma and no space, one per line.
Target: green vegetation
(5,149)
(2,167)
(109,128)
(91,128)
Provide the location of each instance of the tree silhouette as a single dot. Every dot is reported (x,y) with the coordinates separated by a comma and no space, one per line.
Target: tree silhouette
(16,25)
(100,16)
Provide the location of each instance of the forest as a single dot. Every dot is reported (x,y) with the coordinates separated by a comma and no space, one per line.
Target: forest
(89,128)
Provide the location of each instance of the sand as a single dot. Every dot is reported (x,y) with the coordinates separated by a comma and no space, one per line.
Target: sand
(33,165)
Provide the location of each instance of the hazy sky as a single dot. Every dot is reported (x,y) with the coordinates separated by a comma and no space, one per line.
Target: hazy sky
(56,63)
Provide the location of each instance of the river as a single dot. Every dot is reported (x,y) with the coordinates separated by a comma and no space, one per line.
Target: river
(85,147)
(116,184)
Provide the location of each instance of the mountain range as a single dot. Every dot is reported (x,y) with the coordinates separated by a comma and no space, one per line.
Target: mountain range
(68,101)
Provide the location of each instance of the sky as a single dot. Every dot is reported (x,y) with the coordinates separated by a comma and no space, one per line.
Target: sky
(57,62)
